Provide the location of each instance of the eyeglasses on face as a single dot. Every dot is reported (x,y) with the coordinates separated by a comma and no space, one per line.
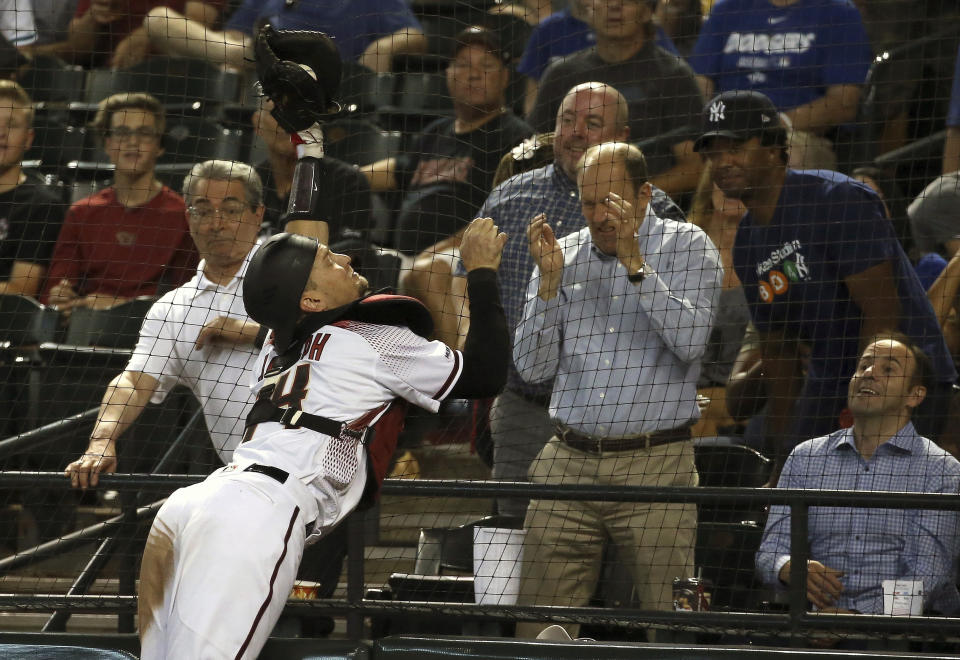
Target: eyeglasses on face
(205,213)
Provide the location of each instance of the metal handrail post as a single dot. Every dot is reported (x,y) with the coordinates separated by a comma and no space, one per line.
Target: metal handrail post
(355,579)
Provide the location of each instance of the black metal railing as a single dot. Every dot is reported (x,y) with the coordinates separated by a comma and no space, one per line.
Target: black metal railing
(796,622)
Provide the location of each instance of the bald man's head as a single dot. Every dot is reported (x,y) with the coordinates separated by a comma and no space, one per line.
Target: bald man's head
(590,113)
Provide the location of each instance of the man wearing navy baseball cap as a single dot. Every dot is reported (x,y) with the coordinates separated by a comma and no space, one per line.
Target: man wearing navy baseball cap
(820,264)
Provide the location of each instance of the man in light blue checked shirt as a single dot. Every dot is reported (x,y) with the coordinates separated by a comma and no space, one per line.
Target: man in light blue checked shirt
(590,113)
(852,550)
(617,315)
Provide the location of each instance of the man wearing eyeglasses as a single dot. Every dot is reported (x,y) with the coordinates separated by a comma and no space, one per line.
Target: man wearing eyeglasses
(130,239)
(197,335)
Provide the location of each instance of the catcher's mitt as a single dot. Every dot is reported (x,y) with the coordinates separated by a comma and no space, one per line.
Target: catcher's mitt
(299,100)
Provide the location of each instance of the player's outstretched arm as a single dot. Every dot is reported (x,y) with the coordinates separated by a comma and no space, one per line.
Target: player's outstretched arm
(122,404)
(486,349)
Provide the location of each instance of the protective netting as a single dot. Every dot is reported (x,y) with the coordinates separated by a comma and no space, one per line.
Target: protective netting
(687,312)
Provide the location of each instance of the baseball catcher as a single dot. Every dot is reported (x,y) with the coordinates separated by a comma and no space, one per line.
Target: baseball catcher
(331,384)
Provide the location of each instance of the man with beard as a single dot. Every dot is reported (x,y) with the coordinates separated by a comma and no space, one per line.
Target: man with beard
(820,263)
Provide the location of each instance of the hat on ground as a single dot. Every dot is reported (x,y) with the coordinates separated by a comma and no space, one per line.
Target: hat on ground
(738,115)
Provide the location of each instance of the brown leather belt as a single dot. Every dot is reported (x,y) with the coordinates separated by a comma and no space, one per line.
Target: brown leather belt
(594,445)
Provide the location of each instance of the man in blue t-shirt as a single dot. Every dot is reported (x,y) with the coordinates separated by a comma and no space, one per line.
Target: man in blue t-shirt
(370,32)
(820,264)
(809,56)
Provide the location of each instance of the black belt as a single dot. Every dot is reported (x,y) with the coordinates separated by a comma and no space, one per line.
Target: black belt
(269,470)
(594,445)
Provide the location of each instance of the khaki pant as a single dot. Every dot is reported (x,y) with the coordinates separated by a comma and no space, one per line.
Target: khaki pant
(565,539)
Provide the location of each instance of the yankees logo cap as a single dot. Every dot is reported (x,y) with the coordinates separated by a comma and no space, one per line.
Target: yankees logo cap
(738,115)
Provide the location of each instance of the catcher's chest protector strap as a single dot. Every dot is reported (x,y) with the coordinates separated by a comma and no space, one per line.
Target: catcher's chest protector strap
(265,409)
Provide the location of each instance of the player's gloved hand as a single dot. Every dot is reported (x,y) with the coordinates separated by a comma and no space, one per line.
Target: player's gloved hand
(309,142)
(300,72)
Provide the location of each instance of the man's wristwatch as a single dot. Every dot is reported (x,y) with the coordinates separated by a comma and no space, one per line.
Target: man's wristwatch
(638,277)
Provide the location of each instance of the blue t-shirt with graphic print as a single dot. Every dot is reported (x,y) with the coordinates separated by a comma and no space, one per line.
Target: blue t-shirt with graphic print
(791,54)
(827,227)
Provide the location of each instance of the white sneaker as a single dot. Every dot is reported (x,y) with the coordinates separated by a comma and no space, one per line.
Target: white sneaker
(555,633)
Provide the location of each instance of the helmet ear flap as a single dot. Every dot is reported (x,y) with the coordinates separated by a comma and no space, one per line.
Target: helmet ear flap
(275,279)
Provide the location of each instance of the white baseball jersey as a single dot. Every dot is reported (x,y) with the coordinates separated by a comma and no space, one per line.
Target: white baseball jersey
(219,373)
(348,371)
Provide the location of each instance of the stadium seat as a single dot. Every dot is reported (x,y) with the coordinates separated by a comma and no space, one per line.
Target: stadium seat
(420,95)
(364,91)
(192,139)
(55,144)
(725,555)
(359,141)
(722,462)
(51,80)
(117,327)
(24,321)
(172,80)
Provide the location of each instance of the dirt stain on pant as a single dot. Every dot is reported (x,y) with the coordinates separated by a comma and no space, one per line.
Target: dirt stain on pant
(156,572)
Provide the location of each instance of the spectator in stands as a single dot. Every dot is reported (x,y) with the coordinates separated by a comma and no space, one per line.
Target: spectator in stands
(52,21)
(130,239)
(198,334)
(31,212)
(618,314)
(809,56)
(951,148)
(348,203)
(852,550)
(719,216)
(560,34)
(819,263)
(17,23)
(680,21)
(591,113)
(113,32)
(446,174)
(370,32)
(660,89)
(935,225)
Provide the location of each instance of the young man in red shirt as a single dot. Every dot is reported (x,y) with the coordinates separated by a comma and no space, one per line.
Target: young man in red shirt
(129,239)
